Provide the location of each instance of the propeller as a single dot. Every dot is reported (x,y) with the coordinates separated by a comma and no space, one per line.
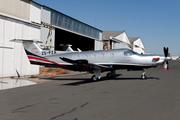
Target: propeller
(166,64)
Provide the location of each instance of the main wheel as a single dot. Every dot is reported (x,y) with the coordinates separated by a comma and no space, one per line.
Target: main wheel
(108,75)
(94,78)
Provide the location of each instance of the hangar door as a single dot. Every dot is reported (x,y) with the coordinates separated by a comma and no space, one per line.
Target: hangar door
(77,41)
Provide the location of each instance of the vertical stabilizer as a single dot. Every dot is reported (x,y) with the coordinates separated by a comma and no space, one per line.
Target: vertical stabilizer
(30,46)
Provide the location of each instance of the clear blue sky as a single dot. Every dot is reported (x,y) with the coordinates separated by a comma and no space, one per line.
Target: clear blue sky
(156,22)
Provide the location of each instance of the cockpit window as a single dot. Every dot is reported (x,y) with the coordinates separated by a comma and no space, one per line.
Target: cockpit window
(129,53)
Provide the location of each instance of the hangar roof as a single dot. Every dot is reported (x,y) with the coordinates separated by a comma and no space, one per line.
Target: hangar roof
(71,17)
(132,39)
(107,34)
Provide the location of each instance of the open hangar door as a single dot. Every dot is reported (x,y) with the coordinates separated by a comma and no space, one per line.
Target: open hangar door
(77,41)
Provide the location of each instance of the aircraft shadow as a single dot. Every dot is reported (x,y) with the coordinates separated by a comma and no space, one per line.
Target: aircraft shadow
(87,81)
(83,80)
(136,78)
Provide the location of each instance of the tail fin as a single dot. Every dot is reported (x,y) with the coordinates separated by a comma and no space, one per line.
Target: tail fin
(67,47)
(30,46)
(36,55)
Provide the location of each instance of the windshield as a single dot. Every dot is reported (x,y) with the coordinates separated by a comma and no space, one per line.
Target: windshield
(129,53)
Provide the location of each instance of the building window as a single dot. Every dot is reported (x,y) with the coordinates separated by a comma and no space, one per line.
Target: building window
(66,22)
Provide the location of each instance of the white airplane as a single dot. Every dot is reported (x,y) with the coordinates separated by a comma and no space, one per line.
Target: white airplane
(93,61)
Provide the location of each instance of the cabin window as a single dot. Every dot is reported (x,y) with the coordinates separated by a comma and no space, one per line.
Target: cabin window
(102,55)
(85,57)
(77,57)
(94,56)
(112,55)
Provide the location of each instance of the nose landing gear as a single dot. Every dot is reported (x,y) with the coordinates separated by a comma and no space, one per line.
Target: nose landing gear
(143,76)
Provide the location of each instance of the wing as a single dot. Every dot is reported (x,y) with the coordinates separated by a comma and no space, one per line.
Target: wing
(81,62)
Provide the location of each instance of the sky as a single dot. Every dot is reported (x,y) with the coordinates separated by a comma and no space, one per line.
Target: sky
(156,22)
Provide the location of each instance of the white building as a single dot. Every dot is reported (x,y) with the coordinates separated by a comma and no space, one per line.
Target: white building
(18,19)
(115,40)
(137,45)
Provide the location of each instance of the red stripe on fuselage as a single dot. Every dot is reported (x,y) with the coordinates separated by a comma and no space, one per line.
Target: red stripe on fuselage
(32,57)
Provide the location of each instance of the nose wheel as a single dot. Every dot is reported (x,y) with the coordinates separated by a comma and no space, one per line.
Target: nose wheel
(143,76)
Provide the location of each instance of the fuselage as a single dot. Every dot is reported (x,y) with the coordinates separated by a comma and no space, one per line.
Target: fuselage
(118,58)
(93,61)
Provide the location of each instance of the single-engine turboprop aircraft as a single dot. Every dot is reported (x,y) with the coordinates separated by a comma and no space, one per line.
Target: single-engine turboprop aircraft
(93,61)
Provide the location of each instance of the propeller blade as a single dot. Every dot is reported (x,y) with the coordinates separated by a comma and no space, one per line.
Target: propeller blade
(165,66)
(162,65)
(165,51)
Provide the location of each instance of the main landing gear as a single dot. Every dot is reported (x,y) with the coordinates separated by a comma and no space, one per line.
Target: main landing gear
(97,75)
(111,74)
(143,76)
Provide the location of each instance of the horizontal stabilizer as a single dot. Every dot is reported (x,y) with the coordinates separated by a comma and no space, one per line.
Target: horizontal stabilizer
(23,40)
(6,47)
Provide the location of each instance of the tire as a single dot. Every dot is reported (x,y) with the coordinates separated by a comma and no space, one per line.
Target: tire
(108,76)
(143,77)
(94,78)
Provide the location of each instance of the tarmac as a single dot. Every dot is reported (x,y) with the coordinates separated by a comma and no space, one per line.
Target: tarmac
(74,96)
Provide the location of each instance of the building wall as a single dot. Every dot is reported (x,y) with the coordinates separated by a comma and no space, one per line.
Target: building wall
(12,59)
(17,8)
(46,15)
(138,46)
(123,37)
(117,45)
(35,12)
(98,45)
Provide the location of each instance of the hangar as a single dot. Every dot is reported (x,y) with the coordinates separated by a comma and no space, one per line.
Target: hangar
(137,45)
(68,30)
(26,19)
(18,19)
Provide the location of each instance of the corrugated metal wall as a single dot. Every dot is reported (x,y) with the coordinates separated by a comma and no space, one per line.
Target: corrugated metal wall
(18,8)
(11,59)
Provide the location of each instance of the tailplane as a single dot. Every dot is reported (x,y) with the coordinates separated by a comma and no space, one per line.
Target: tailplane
(30,46)
(36,55)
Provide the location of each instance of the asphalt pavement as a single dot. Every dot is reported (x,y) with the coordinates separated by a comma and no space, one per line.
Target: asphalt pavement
(75,97)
